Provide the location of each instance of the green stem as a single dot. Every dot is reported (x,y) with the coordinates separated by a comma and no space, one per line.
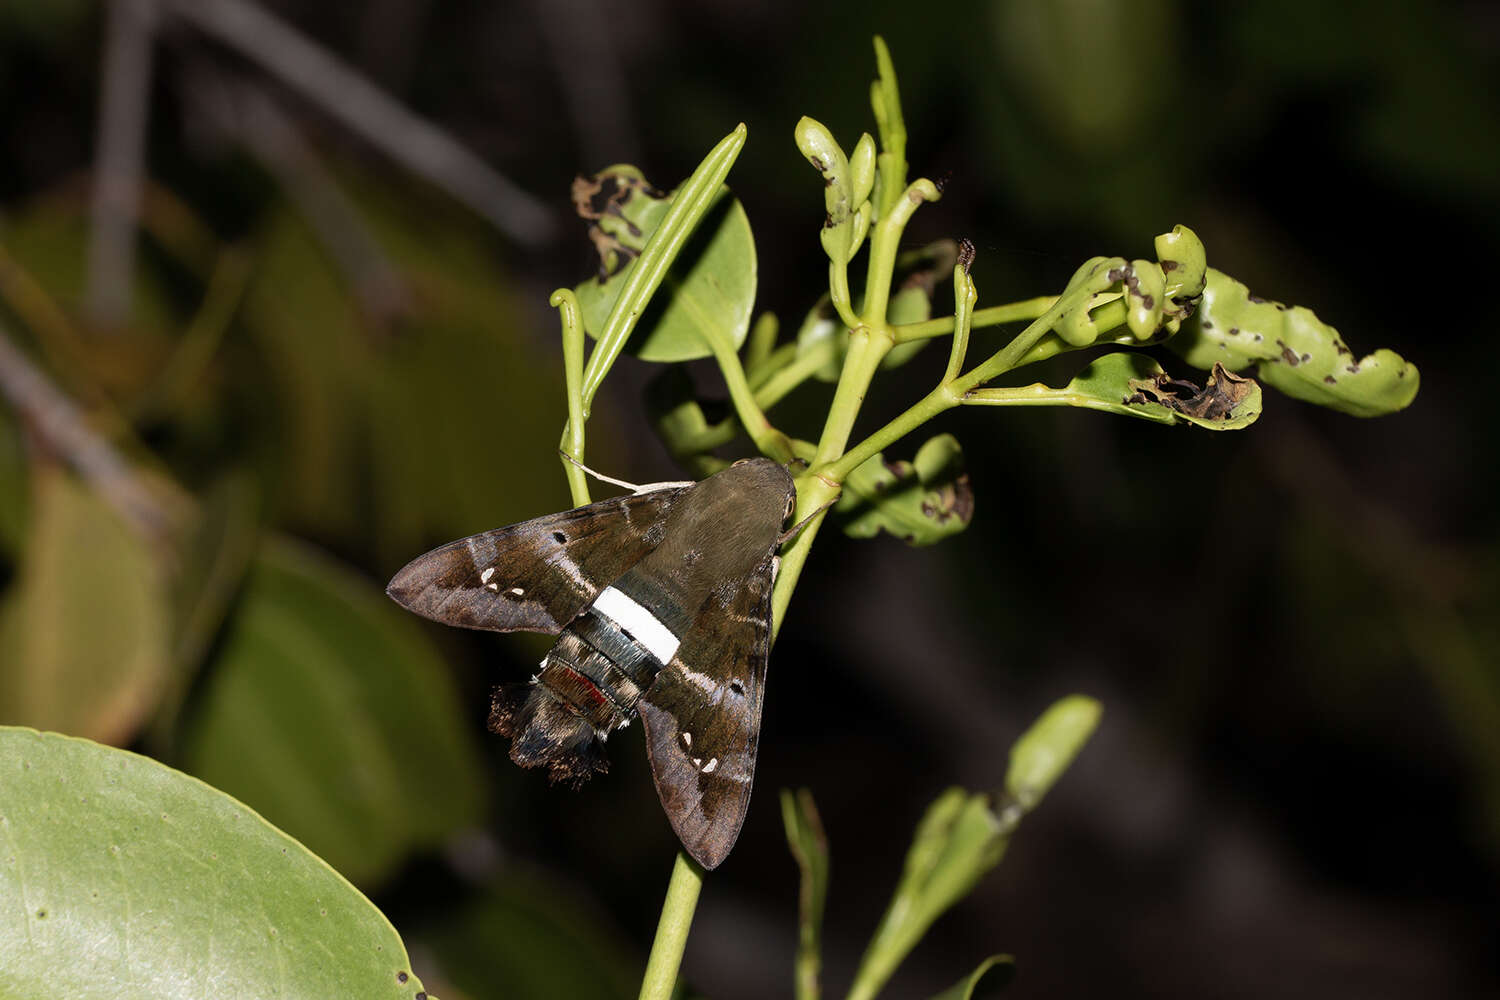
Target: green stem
(1035,394)
(1010,312)
(566,303)
(672,930)
(774,362)
(768,440)
(885,242)
(963,317)
(944,397)
(865,354)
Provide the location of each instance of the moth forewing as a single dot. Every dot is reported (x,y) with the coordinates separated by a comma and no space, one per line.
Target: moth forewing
(661,603)
(538,575)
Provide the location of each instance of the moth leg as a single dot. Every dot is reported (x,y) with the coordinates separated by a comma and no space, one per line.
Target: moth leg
(636,488)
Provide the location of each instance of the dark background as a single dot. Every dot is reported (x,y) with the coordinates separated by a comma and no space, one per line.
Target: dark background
(1295,788)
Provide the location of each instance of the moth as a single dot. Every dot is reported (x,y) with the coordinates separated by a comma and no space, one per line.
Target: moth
(661,604)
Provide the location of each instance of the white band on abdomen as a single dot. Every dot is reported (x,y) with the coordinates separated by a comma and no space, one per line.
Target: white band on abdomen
(623,610)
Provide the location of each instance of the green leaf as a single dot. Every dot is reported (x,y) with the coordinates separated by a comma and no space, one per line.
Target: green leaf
(809,847)
(921,502)
(1045,750)
(328,711)
(965,834)
(710,288)
(841,224)
(994,973)
(214,556)
(84,628)
(1136,386)
(885,102)
(125,878)
(958,841)
(527,936)
(1149,300)
(1293,351)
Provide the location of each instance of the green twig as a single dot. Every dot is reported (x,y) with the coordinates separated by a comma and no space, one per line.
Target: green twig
(1010,312)
(672,929)
(566,303)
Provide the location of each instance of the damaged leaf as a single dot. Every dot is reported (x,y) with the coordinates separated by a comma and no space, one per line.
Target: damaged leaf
(921,502)
(1294,351)
(710,289)
(1218,404)
(846,187)
(1135,385)
(1110,300)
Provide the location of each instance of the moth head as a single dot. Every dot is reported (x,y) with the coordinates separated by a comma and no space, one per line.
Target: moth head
(545,732)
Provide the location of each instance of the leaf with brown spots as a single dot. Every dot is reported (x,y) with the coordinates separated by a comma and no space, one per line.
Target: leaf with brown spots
(1292,350)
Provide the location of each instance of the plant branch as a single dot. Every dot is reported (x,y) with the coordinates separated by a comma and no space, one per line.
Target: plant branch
(566,304)
(361,106)
(1010,312)
(672,930)
(149,505)
(768,440)
(124,107)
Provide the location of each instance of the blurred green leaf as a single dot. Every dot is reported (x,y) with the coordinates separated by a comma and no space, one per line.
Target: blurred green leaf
(527,936)
(921,502)
(213,559)
(315,364)
(125,878)
(965,834)
(809,847)
(84,628)
(1090,70)
(710,287)
(1293,351)
(994,974)
(329,712)
(1045,750)
(432,428)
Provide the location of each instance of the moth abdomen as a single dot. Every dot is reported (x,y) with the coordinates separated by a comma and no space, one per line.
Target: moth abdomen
(546,731)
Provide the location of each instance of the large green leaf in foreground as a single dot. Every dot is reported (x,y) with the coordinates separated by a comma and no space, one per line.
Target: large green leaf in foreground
(122,878)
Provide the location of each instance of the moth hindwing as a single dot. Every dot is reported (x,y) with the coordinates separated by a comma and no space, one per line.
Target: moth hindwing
(661,603)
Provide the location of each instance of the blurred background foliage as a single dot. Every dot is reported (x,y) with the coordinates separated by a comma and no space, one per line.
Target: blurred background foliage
(328,364)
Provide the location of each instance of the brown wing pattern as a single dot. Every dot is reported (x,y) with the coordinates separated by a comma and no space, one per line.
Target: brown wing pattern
(702,718)
(538,575)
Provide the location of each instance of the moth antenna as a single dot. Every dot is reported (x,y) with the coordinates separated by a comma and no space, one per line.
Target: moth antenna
(790,533)
(632,487)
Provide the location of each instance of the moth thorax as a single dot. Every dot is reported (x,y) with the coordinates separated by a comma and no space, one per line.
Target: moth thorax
(546,731)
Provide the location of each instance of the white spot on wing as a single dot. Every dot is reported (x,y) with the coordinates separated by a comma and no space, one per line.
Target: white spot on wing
(709,767)
(492,586)
(687,739)
(623,610)
(485,576)
(516,591)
